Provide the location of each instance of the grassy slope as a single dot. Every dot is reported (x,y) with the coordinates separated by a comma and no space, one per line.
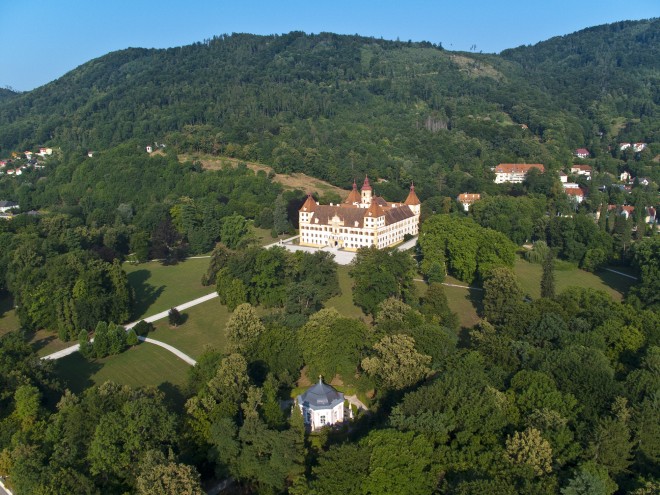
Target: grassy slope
(344,302)
(204,326)
(529,275)
(158,287)
(144,365)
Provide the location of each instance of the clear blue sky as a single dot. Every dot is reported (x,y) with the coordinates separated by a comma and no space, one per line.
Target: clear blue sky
(44,39)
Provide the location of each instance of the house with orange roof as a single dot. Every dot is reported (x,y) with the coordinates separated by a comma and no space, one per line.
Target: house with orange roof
(515,172)
(582,153)
(468,199)
(361,220)
(575,193)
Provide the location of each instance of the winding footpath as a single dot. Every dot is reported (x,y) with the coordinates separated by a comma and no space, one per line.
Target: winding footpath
(150,319)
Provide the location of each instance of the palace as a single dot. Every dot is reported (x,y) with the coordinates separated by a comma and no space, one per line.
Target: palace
(362,220)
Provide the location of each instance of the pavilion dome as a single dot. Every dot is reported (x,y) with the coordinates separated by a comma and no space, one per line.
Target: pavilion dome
(321,396)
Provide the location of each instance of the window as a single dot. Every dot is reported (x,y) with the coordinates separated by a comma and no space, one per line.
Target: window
(322,420)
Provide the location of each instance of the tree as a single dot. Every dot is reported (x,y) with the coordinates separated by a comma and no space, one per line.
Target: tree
(397,364)
(381,273)
(243,329)
(530,449)
(101,340)
(234,231)
(159,476)
(280,217)
(611,445)
(85,348)
(174,317)
(400,463)
(219,258)
(590,479)
(502,296)
(131,338)
(331,344)
(548,277)
(435,307)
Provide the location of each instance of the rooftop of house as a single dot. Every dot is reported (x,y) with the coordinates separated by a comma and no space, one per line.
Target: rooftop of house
(321,396)
(512,168)
(466,197)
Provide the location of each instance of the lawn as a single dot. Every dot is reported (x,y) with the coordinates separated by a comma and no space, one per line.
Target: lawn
(344,302)
(8,319)
(529,275)
(466,302)
(204,326)
(140,366)
(159,287)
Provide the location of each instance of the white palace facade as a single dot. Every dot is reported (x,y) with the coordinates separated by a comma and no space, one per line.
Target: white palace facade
(362,220)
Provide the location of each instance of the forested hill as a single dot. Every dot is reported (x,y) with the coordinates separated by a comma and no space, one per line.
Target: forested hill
(6,93)
(335,106)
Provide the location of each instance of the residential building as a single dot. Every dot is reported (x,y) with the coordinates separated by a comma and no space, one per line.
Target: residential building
(467,199)
(6,206)
(515,172)
(582,153)
(362,220)
(584,170)
(563,178)
(149,149)
(575,193)
(625,176)
(321,405)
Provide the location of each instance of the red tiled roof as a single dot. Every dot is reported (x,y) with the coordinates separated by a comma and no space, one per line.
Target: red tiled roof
(469,197)
(309,204)
(354,195)
(412,198)
(365,185)
(574,191)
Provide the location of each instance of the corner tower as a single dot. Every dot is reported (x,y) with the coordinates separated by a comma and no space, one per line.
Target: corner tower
(413,201)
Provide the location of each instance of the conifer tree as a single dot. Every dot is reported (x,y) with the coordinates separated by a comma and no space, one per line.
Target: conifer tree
(548,277)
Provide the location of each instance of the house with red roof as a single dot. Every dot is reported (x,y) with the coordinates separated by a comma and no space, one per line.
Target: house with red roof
(362,220)
(582,153)
(468,199)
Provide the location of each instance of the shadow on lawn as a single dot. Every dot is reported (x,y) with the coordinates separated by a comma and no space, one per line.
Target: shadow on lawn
(174,397)
(145,293)
(75,372)
(619,283)
(39,343)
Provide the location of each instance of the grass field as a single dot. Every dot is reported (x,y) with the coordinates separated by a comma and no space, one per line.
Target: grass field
(8,319)
(529,275)
(204,326)
(143,365)
(344,302)
(159,287)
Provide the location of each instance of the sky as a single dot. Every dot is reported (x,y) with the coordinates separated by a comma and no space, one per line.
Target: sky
(44,39)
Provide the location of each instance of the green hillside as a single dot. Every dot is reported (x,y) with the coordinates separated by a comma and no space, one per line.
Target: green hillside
(338,106)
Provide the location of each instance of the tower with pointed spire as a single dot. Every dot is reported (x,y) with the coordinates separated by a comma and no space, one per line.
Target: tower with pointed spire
(362,220)
(366,192)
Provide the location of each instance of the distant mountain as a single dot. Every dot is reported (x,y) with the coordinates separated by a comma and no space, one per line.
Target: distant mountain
(338,106)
